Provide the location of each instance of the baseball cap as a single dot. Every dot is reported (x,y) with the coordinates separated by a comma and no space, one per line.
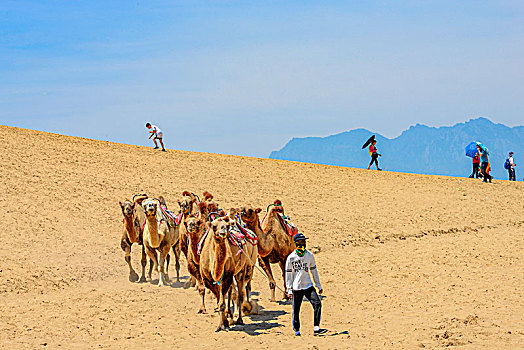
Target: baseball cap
(299,237)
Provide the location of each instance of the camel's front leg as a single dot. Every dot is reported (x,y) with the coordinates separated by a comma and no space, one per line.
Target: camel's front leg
(168,259)
(240,298)
(143,262)
(176,251)
(153,260)
(162,277)
(126,247)
(224,288)
(266,266)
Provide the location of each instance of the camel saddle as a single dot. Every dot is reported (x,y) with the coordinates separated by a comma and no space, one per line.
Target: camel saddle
(291,229)
(170,217)
(249,235)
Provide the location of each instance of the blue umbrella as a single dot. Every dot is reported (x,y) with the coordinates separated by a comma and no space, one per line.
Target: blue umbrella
(471,149)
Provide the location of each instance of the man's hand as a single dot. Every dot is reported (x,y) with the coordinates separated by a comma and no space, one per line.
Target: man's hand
(320,291)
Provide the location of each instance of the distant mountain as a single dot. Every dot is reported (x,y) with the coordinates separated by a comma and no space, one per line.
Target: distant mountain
(420,149)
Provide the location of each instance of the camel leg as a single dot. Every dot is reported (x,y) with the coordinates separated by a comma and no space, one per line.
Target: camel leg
(224,288)
(151,266)
(143,262)
(168,259)
(195,271)
(161,261)
(282,264)
(176,251)
(246,306)
(152,260)
(266,266)
(240,299)
(126,247)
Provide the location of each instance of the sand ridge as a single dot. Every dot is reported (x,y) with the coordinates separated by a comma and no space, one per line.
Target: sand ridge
(406,260)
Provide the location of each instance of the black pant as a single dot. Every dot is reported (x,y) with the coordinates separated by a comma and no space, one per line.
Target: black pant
(374,159)
(484,174)
(511,172)
(312,296)
(475,173)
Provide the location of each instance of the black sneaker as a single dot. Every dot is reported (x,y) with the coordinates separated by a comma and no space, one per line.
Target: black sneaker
(156,147)
(163,149)
(320,331)
(297,334)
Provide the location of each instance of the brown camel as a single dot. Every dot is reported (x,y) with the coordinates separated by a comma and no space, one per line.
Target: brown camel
(274,243)
(219,263)
(195,228)
(134,217)
(188,205)
(159,236)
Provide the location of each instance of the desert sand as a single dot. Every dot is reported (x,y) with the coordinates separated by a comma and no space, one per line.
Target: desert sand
(406,261)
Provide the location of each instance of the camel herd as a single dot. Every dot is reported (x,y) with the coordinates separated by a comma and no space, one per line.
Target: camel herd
(221,247)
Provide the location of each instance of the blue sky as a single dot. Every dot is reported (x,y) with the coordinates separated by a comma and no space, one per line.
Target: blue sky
(243,77)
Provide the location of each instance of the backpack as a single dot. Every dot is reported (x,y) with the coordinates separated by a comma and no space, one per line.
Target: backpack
(506,164)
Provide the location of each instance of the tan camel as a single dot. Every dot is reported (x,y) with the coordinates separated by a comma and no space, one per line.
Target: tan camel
(159,236)
(195,228)
(251,250)
(274,243)
(219,263)
(132,232)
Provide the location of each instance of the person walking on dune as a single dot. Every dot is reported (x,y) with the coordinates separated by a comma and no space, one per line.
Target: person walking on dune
(476,165)
(485,164)
(298,283)
(373,152)
(157,133)
(511,167)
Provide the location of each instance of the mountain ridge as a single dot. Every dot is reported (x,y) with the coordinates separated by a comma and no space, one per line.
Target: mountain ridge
(419,149)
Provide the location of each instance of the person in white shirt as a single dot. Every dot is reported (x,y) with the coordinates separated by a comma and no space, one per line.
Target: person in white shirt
(511,169)
(157,133)
(298,283)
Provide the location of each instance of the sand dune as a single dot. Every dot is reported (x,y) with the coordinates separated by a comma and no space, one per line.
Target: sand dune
(407,261)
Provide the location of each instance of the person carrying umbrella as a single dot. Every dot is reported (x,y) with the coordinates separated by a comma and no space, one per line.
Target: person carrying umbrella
(476,165)
(483,153)
(373,152)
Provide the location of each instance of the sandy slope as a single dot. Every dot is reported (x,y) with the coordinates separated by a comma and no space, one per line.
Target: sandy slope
(407,261)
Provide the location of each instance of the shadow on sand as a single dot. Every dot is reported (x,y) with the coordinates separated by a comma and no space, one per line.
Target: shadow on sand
(261,322)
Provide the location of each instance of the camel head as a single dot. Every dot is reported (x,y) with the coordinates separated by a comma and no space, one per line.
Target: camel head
(220,227)
(193,224)
(150,207)
(186,205)
(127,208)
(249,214)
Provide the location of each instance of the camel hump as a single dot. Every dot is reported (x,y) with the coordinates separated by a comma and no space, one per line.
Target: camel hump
(208,196)
(162,201)
(202,206)
(277,202)
(138,198)
(186,193)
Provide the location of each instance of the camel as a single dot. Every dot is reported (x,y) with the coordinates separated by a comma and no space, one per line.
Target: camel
(251,250)
(274,243)
(134,217)
(159,236)
(195,228)
(220,262)
(188,205)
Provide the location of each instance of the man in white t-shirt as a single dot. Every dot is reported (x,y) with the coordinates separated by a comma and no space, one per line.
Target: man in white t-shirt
(511,169)
(298,283)
(157,133)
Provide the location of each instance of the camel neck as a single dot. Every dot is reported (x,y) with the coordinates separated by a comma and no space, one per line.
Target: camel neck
(264,241)
(220,258)
(194,239)
(152,225)
(130,229)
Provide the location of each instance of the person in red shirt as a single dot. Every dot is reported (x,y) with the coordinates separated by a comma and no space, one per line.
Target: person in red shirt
(373,152)
(476,165)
